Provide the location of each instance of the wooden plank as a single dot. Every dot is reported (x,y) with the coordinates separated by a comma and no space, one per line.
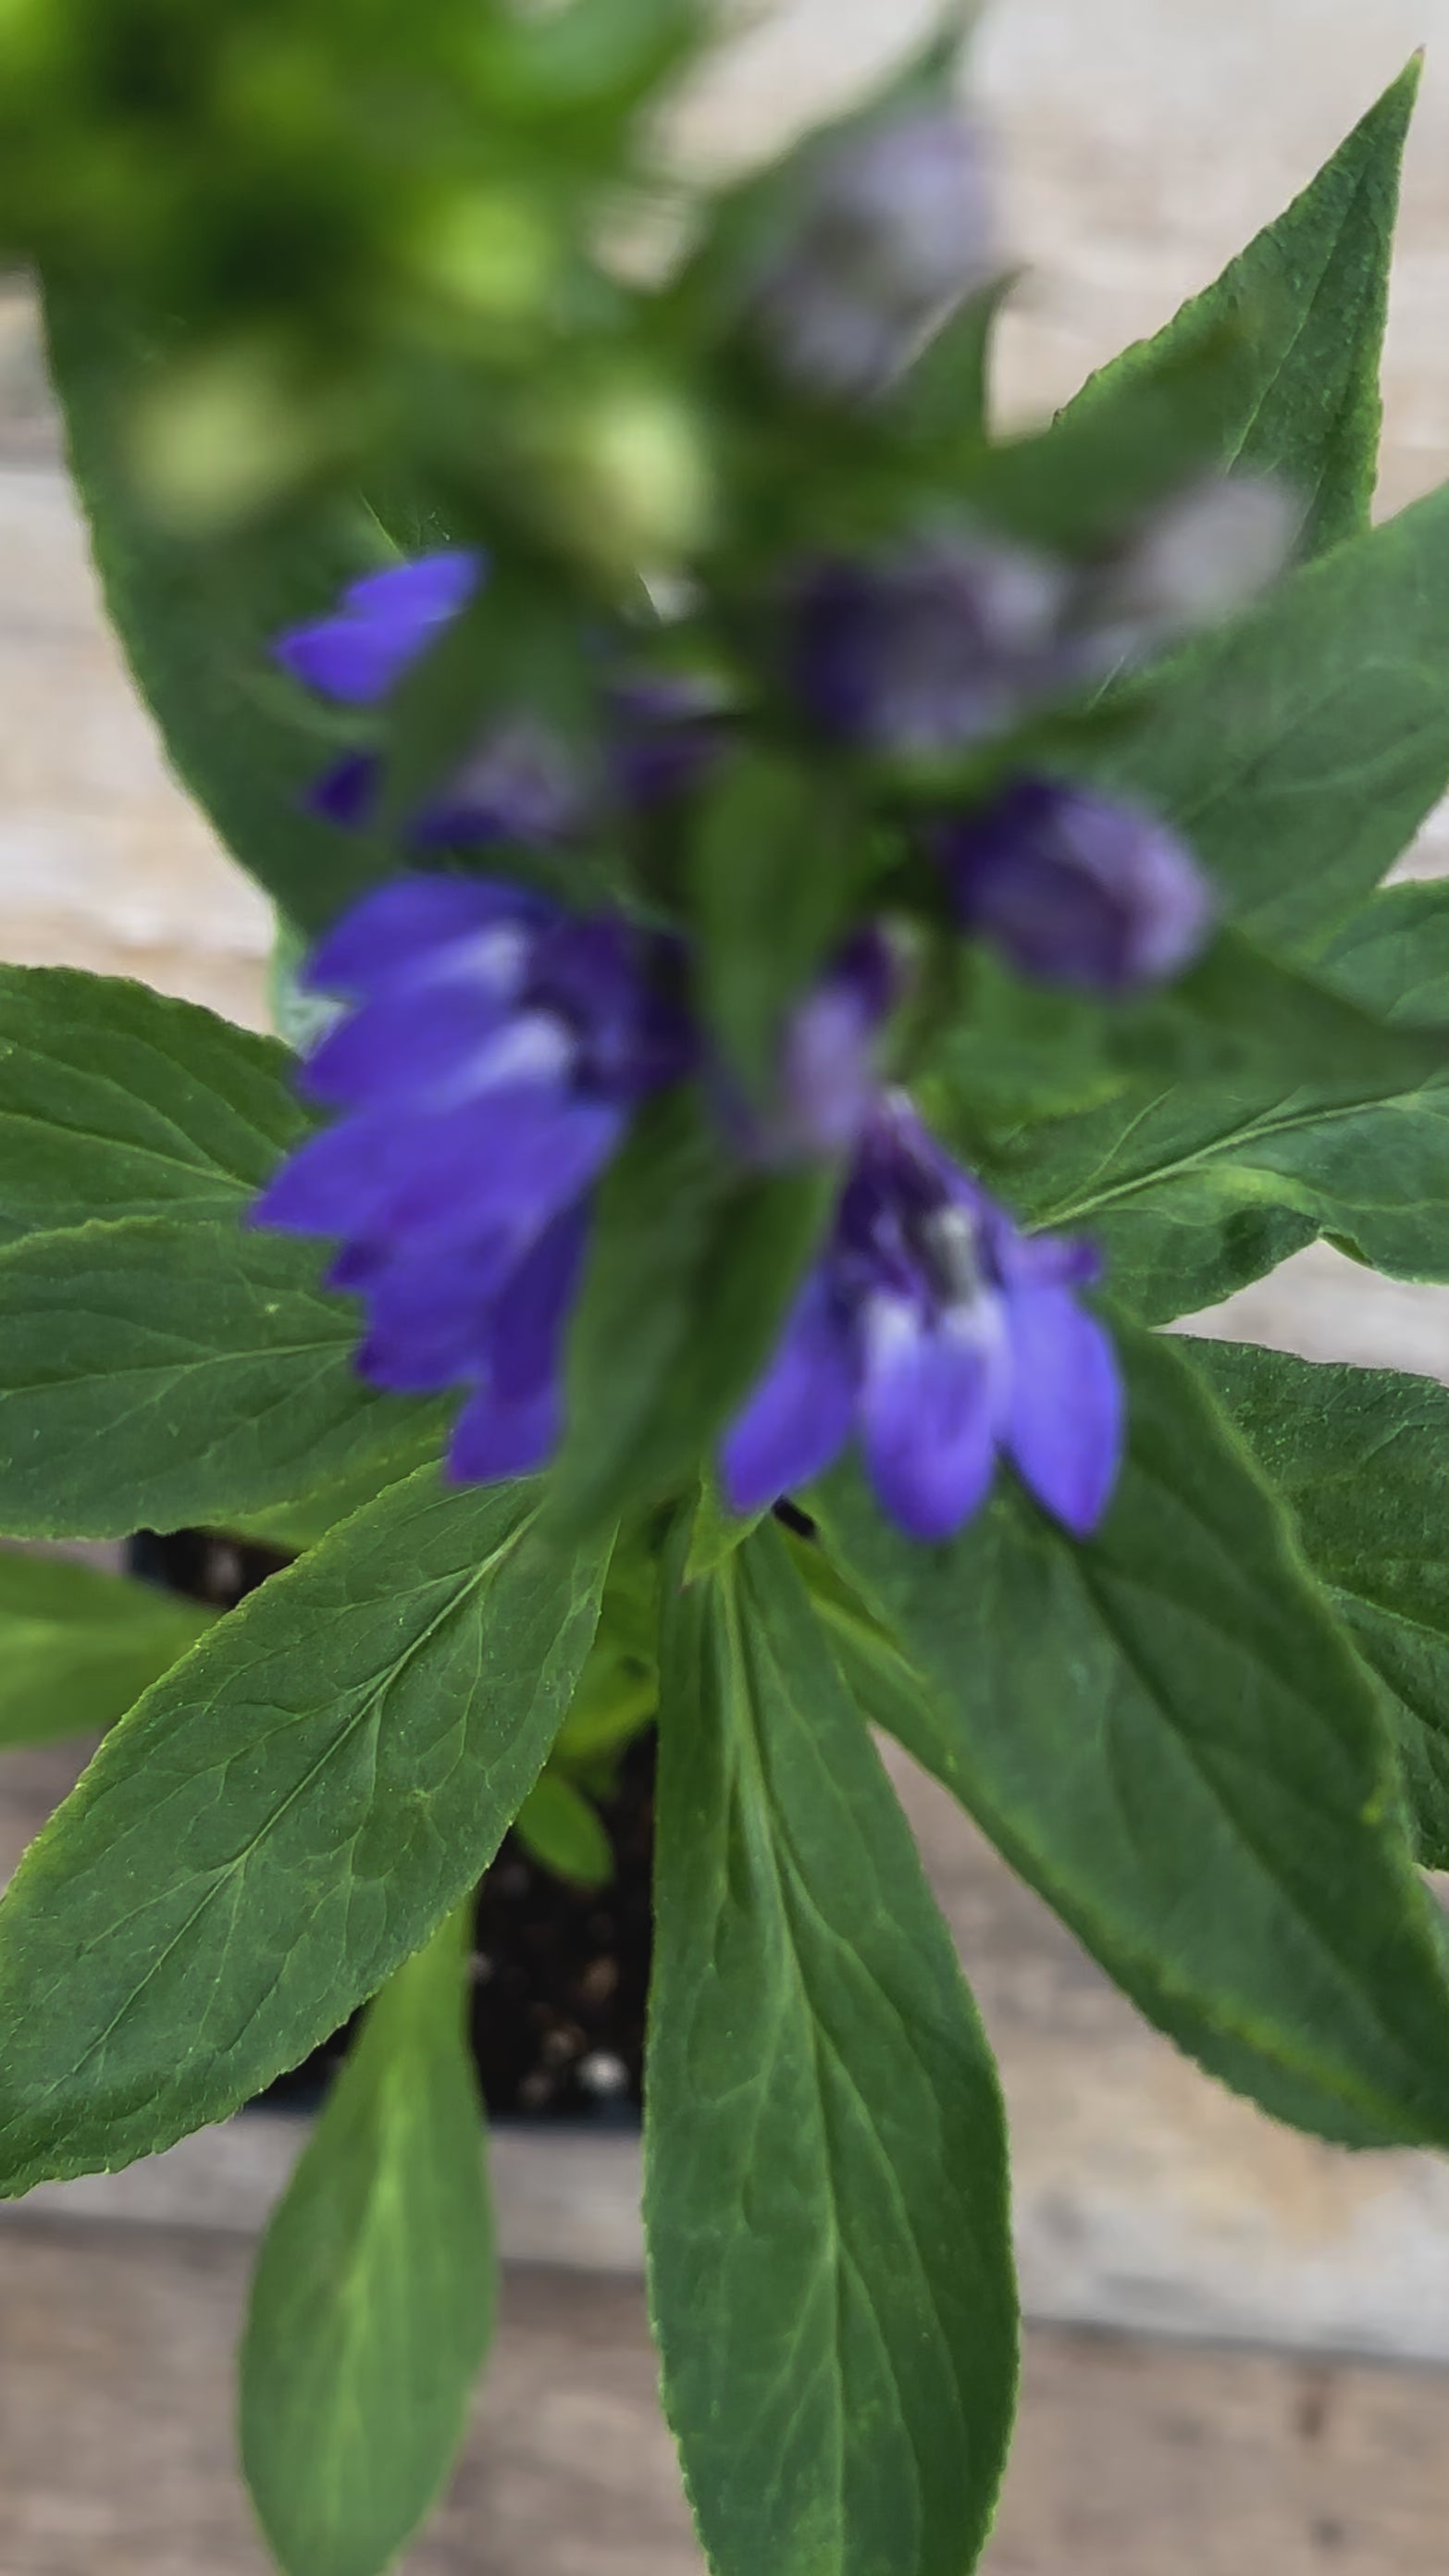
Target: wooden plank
(116,2410)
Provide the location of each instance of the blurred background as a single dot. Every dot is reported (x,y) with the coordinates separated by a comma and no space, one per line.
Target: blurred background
(1239,2355)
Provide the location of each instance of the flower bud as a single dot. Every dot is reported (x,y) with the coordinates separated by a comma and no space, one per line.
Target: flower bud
(1197,559)
(896,228)
(629,478)
(931,650)
(489,254)
(1076,888)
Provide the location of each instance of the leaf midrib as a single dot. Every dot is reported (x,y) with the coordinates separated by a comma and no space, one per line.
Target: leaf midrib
(1218,1149)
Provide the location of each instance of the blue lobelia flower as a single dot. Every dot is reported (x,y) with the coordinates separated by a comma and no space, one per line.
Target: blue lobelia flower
(486,1072)
(1076,888)
(944,1338)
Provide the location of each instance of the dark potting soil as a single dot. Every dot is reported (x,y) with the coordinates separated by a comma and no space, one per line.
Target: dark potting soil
(560,1973)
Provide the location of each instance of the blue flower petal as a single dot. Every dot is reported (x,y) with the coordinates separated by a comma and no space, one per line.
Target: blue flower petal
(494,1438)
(340,1181)
(409,1044)
(386,621)
(799,1417)
(430,587)
(413,929)
(513,1159)
(1066,1417)
(428,1320)
(510,1160)
(526,1326)
(932,1408)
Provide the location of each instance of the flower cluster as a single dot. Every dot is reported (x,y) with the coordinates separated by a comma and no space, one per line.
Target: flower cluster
(486,1072)
(495,1046)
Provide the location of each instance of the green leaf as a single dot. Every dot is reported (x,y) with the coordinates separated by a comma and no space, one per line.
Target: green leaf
(164,1371)
(719,1259)
(559,1827)
(941,401)
(281,1823)
(372,2304)
(618,1688)
(825,2195)
(714,1530)
(1309,298)
(1240,1004)
(1014,1058)
(1194,1189)
(1168,1735)
(773,877)
(77,1646)
(1298,749)
(115,1101)
(197,618)
(1361,1457)
(1073,485)
(295,1526)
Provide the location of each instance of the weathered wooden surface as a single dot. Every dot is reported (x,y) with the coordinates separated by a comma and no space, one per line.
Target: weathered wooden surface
(116,2458)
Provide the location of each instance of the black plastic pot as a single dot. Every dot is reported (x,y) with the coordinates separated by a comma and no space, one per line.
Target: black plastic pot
(560,1973)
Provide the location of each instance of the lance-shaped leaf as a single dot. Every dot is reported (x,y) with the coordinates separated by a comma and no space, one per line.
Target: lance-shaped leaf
(1169,1735)
(372,2304)
(281,1822)
(162,1371)
(116,1101)
(1362,1458)
(825,2207)
(1298,392)
(77,1645)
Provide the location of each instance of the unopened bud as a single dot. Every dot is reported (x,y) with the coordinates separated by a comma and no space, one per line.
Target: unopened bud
(629,475)
(1075,888)
(928,650)
(1197,559)
(896,228)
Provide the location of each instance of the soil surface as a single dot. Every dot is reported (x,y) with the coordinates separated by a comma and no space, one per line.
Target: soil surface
(560,1973)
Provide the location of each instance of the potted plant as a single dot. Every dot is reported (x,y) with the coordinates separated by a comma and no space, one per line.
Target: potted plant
(806,931)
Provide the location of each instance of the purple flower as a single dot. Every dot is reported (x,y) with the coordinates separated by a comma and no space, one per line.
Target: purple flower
(895,226)
(486,1073)
(517,784)
(1076,888)
(928,650)
(944,1339)
(381,626)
